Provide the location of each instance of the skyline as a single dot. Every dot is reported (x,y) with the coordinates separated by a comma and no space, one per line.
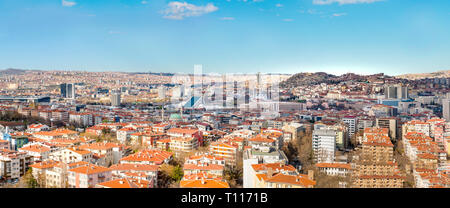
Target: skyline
(228,36)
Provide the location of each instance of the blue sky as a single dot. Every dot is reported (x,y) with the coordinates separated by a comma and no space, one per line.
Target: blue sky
(287,36)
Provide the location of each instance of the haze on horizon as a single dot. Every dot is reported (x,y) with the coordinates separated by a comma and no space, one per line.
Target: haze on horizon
(227,36)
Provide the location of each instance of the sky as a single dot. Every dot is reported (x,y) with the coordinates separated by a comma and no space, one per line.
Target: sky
(227,36)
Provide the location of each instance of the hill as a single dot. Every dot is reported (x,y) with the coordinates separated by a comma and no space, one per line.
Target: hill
(438,74)
(303,79)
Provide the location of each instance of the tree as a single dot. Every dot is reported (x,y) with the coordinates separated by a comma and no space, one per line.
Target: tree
(106,131)
(403,162)
(31,182)
(169,175)
(305,152)
(177,173)
(290,150)
(233,174)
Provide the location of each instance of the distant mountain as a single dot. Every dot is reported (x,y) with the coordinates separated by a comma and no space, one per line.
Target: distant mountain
(12,71)
(303,79)
(154,73)
(438,74)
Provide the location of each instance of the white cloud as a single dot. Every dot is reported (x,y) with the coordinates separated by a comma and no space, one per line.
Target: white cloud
(144,2)
(179,10)
(279,5)
(288,20)
(339,14)
(324,2)
(227,18)
(68,3)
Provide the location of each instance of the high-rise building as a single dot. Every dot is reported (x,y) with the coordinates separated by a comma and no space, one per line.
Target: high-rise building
(390,92)
(351,122)
(446,109)
(402,92)
(396,92)
(63,88)
(67,90)
(71,91)
(324,145)
(224,91)
(389,123)
(115,99)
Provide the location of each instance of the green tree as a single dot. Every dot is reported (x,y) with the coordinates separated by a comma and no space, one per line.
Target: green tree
(177,173)
(28,181)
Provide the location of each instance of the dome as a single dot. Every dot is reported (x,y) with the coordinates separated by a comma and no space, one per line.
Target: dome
(175,117)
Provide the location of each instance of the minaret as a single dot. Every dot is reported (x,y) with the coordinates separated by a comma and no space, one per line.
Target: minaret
(224,91)
(181,113)
(162,114)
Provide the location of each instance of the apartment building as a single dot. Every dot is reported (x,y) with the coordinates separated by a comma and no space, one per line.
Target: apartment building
(226,150)
(351,122)
(183,144)
(37,128)
(71,155)
(123,170)
(181,132)
(38,151)
(391,124)
(125,183)
(379,181)
(81,119)
(88,176)
(4,144)
(60,115)
(204,183)
(57,133)
(148,157)
(204,163)
(124,134)
(324,145)
(378,149)
(105,150)
(334,169)
(13,164)
(251,174)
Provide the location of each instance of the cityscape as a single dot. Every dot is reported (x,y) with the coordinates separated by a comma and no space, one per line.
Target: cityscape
(224,94)
(64,129)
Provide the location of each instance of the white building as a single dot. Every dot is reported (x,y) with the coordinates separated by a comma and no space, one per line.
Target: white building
(351,123)
(324,145)
(83,119)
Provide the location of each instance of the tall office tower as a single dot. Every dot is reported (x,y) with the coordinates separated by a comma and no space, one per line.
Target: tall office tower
(235,94)
(446,109)
(213,86)
(396,92)
(67,90)
(389,123)
(258,83)
(390,92)
(269,91)
(247,93)
(71,91)
(115,99)
(63,88)
(402,92)
(224,90)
